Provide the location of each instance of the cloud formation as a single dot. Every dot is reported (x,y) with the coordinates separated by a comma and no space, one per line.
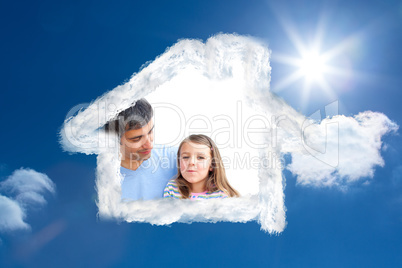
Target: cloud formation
(12,215)
(210,81)
(25,189)
(350,150)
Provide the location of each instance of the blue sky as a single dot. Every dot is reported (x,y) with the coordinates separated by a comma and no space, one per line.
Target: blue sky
(57,55)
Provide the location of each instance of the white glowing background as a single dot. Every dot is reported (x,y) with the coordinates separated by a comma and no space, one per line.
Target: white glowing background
(193,104)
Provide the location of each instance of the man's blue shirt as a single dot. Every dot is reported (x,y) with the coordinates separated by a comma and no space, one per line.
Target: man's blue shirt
(150,179)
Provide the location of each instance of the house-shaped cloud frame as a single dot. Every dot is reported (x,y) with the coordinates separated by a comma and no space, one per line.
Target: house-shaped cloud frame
(217,58)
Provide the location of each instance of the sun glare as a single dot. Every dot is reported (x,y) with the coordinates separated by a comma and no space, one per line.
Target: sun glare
(312,66)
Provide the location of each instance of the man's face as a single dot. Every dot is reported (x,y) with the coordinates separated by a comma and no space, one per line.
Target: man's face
(136,144)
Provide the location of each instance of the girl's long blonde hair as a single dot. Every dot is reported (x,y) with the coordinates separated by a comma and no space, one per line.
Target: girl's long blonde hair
(216,178)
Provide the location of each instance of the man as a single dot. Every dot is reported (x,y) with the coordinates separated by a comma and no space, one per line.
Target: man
(145,170)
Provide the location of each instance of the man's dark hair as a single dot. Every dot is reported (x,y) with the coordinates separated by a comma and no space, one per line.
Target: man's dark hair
(134,117)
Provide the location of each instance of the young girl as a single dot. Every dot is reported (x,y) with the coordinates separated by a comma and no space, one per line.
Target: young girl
(201,174)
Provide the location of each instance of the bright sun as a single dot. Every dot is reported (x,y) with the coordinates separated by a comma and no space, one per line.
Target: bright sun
(312,66)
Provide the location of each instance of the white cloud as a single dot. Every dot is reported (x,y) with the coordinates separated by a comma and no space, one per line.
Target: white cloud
(28,186)
(210,80)
(207,78)
(341,150)
(11,215)
(25,188)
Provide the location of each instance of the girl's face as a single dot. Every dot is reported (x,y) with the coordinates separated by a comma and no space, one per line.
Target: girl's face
(195,164)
